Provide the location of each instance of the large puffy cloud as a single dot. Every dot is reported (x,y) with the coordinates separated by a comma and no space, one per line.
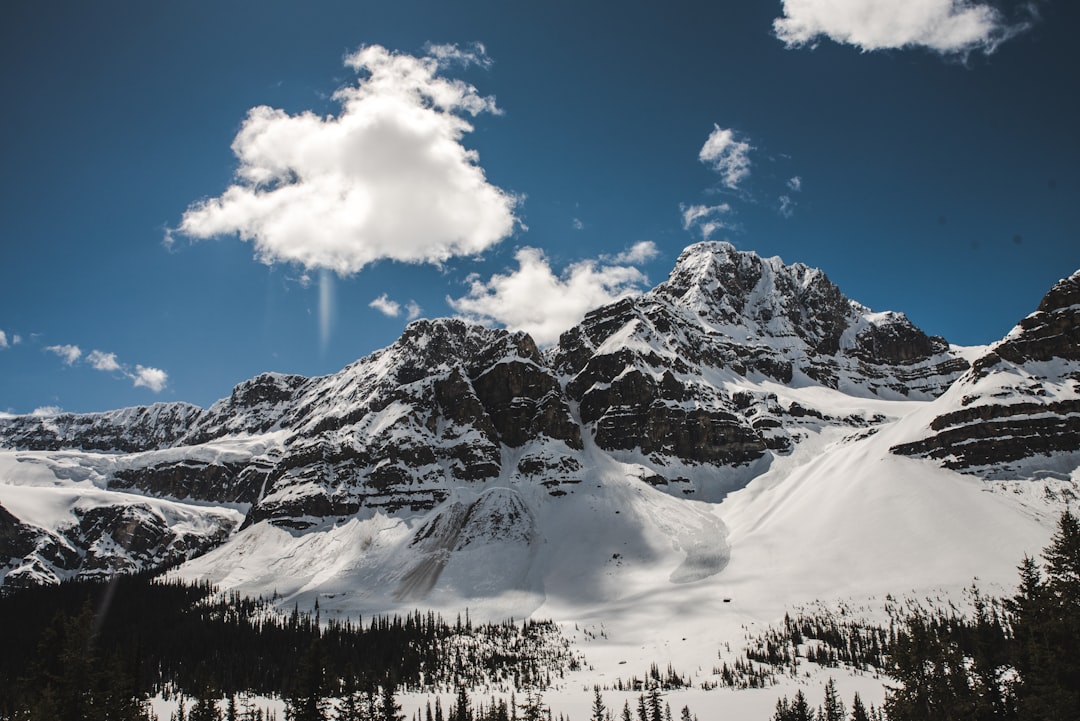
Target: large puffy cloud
(727,155)
(536,300)
(387,177)
(945,26)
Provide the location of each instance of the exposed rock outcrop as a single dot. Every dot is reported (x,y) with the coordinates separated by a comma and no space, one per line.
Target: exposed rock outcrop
(1016,414)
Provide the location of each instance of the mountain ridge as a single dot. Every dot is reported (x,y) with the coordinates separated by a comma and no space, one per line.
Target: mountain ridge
(435,452)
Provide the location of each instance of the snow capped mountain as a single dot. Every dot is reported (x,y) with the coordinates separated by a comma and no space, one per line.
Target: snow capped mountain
(1016,413)
(742,430)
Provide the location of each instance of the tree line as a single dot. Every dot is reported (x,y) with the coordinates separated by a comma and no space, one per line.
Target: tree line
(84,649)
(1012,659)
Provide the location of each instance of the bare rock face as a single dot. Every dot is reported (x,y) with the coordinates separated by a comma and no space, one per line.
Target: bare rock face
(1051,332)
(408,423)
(18,542)
(104,540)
(1016,414)
(194,479)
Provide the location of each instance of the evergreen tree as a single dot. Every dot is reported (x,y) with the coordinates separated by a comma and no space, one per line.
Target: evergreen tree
(654,703)
(306,700)
(800,709)
(533,708)
(783,710)
(181,710)
(627,715)
(1046,625)
(204,709)
(858,710)
(461,710)
(933,673)
(390,709)
(599,710)
(62,681)
(833,709)
(351,707)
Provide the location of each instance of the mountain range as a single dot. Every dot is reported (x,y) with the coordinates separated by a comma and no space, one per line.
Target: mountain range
(739,438)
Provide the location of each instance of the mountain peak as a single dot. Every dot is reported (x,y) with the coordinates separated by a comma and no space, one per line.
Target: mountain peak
(1064,295)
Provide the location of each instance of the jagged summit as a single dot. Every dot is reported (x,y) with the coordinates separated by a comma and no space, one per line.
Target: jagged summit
(725,308)
(749,298)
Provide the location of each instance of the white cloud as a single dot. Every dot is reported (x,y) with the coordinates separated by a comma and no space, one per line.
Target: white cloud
(102,361)
(787,206)
(706,218)
(47,411)
(70,353)
(392,308)
(3,339)
(534,299)
(640,252)
(945,26)
(693,214)
(450,54)
(153,378)
(387,307)
(386,178)
(795,184)
(727,155)
(577,224)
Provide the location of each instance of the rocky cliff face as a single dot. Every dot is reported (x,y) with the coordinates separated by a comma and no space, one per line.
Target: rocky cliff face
(1016,413)
(671,387)
(102,540)
(647,373)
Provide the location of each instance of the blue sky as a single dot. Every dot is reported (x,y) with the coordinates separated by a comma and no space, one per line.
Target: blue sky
(511,162)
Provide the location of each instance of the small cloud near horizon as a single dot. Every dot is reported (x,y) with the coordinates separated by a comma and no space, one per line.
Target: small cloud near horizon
(706,218)
(154,379)
(392,309)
